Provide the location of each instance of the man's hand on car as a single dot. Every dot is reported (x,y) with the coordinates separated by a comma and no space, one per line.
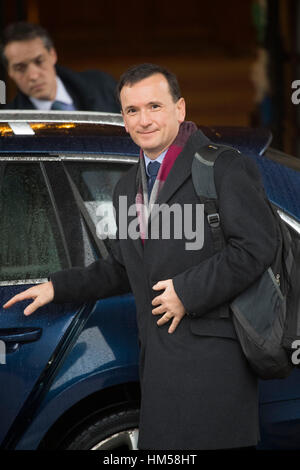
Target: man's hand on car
(42,295)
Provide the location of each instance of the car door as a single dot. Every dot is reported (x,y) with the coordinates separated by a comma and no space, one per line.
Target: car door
(37,220)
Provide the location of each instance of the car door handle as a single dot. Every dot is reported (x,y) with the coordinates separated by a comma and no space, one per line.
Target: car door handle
(15,336)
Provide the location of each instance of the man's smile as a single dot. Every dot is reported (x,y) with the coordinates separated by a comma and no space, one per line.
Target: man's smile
(147,132)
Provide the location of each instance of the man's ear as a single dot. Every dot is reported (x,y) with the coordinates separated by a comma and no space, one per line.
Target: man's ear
(180,108)
(124,120)
(53,55)
(9,72)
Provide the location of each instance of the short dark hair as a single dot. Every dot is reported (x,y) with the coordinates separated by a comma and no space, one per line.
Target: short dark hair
(23,31)
(138,72)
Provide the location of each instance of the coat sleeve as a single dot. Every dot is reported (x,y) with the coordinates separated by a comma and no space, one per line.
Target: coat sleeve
(103,278)
(250,232)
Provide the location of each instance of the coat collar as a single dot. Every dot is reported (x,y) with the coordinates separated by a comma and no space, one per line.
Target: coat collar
(181,169)
(178,174)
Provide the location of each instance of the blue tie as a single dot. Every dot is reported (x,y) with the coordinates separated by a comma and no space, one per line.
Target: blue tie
(152,170)
(59,105)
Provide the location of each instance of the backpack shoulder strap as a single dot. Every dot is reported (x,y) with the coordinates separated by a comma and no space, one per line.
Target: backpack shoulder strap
(204,184)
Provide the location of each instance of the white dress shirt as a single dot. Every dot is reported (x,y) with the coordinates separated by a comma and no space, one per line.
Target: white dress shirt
(61,95)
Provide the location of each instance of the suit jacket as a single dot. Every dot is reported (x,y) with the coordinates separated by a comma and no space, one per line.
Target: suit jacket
(198,391)
(91,90)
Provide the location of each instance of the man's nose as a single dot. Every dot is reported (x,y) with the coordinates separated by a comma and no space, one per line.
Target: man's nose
(32,72)
(145,118)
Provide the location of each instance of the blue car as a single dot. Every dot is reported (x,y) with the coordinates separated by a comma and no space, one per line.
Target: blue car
(69,373)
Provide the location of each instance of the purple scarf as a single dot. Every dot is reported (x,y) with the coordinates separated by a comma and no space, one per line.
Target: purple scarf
(143,205)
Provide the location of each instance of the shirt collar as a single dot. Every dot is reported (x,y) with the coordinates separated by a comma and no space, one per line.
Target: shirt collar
(61,95)
(159,159)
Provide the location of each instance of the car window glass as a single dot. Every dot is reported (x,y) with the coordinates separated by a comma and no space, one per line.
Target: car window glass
(78,240)
(95,183)
(30,244)
(90,253)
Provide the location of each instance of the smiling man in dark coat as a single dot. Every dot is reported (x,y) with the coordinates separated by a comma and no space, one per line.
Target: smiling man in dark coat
(198,391)
(30,58)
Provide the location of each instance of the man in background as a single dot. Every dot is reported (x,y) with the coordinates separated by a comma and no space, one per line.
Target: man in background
(30,58)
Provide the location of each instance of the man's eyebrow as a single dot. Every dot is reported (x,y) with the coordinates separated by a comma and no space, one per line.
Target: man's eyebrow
(130,106)
(17,64)
(150,103)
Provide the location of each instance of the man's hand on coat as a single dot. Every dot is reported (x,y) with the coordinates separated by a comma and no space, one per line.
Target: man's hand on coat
(42,295)
(169,304)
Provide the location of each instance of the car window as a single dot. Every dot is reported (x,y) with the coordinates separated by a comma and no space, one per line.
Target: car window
(95,183)
(30,244)
(82,250)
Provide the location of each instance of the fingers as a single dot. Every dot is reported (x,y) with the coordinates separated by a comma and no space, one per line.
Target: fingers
(162,284)
(166,318)
(42,294)
(25,295)
(168,305)
(174,324)
(32,307)
(158,310)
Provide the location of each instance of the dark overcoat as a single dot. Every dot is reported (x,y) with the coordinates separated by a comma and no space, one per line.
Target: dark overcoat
(198,391)
(91,90)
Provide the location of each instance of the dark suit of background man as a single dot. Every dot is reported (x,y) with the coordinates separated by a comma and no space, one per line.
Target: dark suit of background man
(198,391)
(30,58)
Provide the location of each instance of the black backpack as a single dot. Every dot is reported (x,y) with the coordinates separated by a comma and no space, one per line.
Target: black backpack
(266,316)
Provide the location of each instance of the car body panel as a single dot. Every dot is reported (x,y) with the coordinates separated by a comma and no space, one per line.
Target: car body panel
(280,424)
(248,140)
(26,363)
(282,185)
(105,354)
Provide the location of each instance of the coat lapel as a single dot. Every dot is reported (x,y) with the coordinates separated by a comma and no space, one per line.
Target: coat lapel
(181,169)
(131,200)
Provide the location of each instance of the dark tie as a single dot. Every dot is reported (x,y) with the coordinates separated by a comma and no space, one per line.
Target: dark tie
(152,169)
(60,106)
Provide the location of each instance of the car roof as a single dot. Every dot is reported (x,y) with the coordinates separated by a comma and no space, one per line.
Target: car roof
(67,132)
(81,131)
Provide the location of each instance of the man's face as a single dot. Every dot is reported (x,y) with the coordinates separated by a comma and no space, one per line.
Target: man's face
(32,67)
(150,115)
